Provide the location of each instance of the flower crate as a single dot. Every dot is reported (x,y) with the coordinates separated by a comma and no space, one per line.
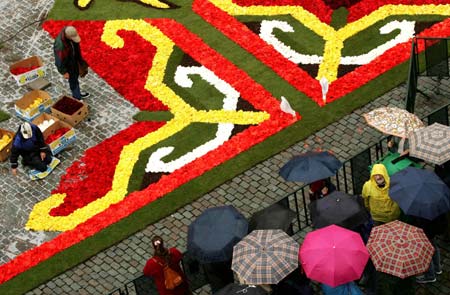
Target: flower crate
(64,140)
(32,104)
(27,70)
(70,110)
(5,145)
(42,118)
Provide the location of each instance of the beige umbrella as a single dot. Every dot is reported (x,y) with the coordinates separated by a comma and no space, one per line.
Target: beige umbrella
(431,144)
(265,257)
(393,121)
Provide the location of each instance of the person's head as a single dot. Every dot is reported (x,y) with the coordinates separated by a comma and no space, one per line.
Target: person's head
(158,245)
(379,179)
(380,176)
(25,130)
(72,34)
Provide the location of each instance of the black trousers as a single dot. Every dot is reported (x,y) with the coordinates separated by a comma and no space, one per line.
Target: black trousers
(35,162)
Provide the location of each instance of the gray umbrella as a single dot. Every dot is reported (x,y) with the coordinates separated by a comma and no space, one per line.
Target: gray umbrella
(338,208)
(275,216)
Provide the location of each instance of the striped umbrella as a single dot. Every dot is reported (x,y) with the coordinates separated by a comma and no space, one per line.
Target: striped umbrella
(265,257)
(400,249)
(431,144)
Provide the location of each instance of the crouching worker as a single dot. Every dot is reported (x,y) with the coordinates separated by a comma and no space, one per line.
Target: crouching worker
(29,143)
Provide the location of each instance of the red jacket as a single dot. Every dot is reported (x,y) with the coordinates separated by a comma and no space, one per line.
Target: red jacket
(154,268)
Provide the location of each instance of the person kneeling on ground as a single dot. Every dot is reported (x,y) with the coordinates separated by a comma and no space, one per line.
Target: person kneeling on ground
(29,143)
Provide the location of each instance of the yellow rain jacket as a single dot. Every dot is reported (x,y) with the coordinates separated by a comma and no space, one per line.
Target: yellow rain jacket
(377,200)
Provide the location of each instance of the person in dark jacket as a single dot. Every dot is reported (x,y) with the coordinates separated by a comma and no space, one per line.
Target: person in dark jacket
(29,143)
(320,189)
(295,283)
(431,228)
(68,59)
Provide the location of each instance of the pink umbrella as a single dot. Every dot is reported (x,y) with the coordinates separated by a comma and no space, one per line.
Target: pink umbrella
(333,255)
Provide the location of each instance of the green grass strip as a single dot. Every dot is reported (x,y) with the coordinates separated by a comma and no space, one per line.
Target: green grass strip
(4,116)
(153,116)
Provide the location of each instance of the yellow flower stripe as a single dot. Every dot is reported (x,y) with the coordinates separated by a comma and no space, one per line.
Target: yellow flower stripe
(184,115)
(154,3)
(334,40)
(83,3)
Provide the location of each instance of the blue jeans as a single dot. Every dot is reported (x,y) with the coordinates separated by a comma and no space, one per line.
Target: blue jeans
(74,85)
(435,264)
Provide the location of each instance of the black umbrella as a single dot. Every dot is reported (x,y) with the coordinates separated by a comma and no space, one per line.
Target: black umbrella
(275,216)
(338,208)
(212,235)
(310,166)
(241,289)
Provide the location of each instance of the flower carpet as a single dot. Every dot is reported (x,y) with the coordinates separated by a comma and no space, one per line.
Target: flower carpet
(221,69)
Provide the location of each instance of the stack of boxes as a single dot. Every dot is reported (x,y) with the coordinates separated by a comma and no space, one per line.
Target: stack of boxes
(36,105)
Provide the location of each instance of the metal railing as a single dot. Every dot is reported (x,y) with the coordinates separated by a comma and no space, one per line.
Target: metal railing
(350,179)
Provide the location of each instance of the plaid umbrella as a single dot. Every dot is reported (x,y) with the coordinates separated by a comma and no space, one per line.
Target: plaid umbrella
(431,144)
(265,257)
(333,255)
(394,121)
(400,249)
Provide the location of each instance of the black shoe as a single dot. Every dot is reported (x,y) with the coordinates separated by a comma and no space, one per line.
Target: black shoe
(85,95)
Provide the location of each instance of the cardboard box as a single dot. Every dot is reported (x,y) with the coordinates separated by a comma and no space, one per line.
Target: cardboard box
(44,117)
(5,150)
(26,100)
(29,76)
(79,112)
(62,142)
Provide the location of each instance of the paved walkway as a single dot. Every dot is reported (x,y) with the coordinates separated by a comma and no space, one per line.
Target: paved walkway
(249,192)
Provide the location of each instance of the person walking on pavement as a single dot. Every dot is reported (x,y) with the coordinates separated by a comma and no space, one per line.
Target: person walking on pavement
(155,267)
(68,59)
(375,193)
(29,143)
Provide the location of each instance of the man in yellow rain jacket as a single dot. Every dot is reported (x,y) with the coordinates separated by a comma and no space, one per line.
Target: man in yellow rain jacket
(376,196)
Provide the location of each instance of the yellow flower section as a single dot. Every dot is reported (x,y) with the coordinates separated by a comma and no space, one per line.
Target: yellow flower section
(83,3)
(4,141)
(184,115)
(334,39)
(154,3)
(36,102)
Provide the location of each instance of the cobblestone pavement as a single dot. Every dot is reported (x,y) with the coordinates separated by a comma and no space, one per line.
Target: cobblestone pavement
(251,191)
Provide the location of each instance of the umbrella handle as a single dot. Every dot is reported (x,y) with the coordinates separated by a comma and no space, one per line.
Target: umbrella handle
(401,145)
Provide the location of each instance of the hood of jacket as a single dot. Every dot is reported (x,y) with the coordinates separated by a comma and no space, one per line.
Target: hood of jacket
(380,169)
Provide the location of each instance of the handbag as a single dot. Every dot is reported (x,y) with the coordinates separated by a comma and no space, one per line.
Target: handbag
(172,279)
(83,68)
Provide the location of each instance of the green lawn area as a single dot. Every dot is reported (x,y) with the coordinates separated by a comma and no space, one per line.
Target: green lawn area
(204,96)
(4,116)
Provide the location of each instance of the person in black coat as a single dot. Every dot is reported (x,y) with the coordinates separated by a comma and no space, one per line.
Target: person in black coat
(431,228)
(29,143)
